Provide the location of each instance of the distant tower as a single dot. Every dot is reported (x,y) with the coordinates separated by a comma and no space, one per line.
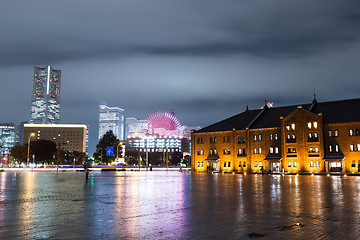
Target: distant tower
(45,100)
(111,118)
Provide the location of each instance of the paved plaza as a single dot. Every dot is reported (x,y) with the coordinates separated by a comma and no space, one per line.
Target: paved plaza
(177,205)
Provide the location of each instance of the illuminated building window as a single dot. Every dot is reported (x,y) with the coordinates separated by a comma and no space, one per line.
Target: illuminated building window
(329,133)
(271,136)
(310,135)
(202,152)
(316,149)
(317,164)
(336,133)
(309,125)
(287,127)
(336,148)
(295,164)
(293,136)
(259,150)
(214,139)
(243,140)
(198,164)
(239,151)
(259,137)
(351,147)
(357,132)
(229,164)
(276,136)
(289,163)
(311,150)
(315,135)
(294,150)
(239,140)
(271,150)
(215,151)
(276,150)
(255,137)
(311,163)
(255,164)
(353,163)
(224,151)
(228,151)
(330,148)
(202,164)
(211,151)
(255,151)
(351,132)
(244,165)
(358,147)
(260,163)
(293,126)
(288,136)
(315,124)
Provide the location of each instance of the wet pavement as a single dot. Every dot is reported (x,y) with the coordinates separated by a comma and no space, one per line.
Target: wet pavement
(177,205)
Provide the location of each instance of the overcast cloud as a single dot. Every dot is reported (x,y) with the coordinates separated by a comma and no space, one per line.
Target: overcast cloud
(205,59)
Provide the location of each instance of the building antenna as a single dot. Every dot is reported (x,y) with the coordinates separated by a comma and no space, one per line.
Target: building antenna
(314,94)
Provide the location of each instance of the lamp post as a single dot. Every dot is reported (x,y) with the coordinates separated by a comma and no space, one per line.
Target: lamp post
(28,152)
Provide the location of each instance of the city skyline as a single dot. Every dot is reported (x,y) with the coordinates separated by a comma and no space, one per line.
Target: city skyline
(205,63)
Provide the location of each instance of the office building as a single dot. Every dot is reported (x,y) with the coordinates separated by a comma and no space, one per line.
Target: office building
(111,118)
(308,138)
(7,138)
(134,127)
(70,137)
(45,100)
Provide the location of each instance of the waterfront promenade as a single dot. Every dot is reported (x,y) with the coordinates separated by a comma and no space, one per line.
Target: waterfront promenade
(177,205)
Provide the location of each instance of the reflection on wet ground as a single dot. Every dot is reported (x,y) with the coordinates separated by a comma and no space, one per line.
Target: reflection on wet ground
(177,205)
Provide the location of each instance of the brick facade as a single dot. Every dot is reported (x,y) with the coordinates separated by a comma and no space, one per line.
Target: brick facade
(308,138)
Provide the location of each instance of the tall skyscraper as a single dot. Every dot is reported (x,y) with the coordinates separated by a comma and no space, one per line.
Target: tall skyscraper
(111,118)
(45,100)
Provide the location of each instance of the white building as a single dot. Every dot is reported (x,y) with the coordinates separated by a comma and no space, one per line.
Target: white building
(111,118)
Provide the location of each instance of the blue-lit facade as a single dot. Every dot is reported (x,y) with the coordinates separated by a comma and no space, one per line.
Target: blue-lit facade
(45,100)
(7,138)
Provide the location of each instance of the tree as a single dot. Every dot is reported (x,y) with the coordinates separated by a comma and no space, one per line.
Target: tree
(44,150)
(176,158)
(19,152)
(108,140)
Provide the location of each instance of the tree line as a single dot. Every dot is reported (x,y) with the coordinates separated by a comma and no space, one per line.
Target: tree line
(46,152)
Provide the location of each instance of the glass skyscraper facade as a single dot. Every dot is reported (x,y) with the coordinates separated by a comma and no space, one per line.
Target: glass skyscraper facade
(111,118)
(7,138)
(45,100)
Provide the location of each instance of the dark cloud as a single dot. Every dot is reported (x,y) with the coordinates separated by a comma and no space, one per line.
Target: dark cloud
(206,59)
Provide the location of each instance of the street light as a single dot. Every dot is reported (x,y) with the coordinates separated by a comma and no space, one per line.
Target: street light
(28,153)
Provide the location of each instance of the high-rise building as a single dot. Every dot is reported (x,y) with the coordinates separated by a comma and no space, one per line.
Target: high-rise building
(7,138)
(134,127)
(111,118)
(45,100)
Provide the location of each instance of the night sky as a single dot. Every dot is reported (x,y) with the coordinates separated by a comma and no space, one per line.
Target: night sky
(205,59)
